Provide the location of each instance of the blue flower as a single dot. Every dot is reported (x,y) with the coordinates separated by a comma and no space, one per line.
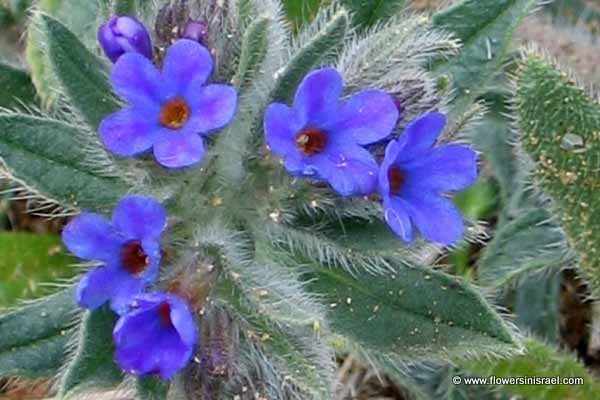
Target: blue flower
(169,111)
(157,336)
(128,248)
(322,137)
(414,177)
(122,35)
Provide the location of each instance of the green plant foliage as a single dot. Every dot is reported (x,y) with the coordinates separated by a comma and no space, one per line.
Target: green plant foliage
(411,313)
(254,50)
(527,244)
(39,336)
(310,54)
(485,28)
(93,362)
(55,170)
(81,74)
(17,88)
(301,12)
(124,7)
(151,388)
(540,360)
(367,13)
(559,124)
(29,260)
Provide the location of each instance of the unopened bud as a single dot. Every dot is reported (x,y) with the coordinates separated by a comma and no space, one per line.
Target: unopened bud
(195,30)
(122,35)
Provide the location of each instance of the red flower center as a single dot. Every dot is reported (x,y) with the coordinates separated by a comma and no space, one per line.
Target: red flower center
(133,257)
(164,313)
(396,178)
(311,141)
(174,114)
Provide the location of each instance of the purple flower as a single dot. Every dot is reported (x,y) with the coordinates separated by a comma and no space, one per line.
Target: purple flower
(414,177)
(157,336)
(322,137)
(122,35)
(168,111)
(128,248)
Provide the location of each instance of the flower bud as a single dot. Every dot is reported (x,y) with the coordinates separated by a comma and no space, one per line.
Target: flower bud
(122,35)
(195,30)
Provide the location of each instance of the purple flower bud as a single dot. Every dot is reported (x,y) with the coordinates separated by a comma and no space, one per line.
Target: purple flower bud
(122,35)
(195,30)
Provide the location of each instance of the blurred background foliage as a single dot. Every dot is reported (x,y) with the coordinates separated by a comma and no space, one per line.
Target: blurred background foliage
(551,305)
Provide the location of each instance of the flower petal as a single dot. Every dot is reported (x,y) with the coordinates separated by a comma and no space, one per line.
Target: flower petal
(421,134)
(182,320)
(397,218)
(128,132)
(366,117)
(318,95)
(95,288)
(124,292)
(179,150)
(187,65)
(281,127)
(213,107)
(446,168)
(350,170)
(137,80)
(90,237)
(435,216)
(139,217)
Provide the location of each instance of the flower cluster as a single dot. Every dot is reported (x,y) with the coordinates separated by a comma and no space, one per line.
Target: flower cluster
(156,332)
(323,138)
(320,137)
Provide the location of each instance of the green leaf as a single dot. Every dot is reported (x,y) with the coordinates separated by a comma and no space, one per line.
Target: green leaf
(33,338)
(55,169)
(414,312)
(152,388)
(530,243)
(254,50)
(559,125)
(93,364)
(17,88)
(310,55)
(301,12)
(124,7)
(27,261)
(485,28)
(82,75)
(540,360)
(366,13)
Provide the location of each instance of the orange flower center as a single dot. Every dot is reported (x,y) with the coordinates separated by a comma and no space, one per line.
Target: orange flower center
(396,178)
(174,114)
(311,141)
(133,257)
(164,313)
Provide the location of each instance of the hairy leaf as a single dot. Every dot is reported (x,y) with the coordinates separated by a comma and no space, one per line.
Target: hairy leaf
(17,88)
(33,338)
(413,312)
(29,260)
(530,243)
(93,364)
(152,388)
(301,12)
(310,55)
(82,75)
(485,28)
(559,125)
(45,156)
(254,49)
